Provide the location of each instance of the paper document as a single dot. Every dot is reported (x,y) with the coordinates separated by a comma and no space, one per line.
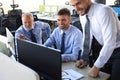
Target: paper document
(70,74)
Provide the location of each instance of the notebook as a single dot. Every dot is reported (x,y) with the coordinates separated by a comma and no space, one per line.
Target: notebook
(70,74)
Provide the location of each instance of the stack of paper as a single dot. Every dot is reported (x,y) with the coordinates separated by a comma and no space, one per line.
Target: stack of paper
(70,74)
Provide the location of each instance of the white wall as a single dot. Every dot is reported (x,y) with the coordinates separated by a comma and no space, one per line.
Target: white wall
(33,5)
(25,5)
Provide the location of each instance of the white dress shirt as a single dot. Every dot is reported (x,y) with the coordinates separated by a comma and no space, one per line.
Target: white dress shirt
(105,27)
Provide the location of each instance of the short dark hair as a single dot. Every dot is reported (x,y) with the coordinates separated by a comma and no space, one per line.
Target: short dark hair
(64,11)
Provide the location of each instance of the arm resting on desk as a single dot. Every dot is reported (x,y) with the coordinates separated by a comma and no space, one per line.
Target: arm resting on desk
(68,57)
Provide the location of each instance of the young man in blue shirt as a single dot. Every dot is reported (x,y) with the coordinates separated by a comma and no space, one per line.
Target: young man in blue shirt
(72,37)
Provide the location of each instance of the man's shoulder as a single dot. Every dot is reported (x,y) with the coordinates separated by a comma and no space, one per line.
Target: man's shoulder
(20,28)
(101,7)
(75,29)
(41,23)
(56,30)
(38,22)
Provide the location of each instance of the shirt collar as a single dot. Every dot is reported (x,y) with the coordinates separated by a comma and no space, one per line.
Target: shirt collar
(28,29)
(91,10)
(67,31)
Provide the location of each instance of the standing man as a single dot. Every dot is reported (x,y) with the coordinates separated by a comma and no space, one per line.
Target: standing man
(30,30)
(105,27)
(66,37)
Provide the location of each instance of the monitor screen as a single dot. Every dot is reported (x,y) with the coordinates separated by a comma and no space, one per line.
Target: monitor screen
(10,39)
(4,45)
(44,60)
(116,9)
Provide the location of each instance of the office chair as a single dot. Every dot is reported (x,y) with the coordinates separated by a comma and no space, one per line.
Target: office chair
(2,22)
(35,18)
(12,70)
(14,19)
(76,23)
(74,13)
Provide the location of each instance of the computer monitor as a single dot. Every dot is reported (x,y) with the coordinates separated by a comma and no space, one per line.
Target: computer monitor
(10,39)
(116,9)
(44,60)
(4,45)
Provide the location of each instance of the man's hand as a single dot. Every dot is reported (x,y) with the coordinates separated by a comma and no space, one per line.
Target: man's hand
(21,36)
(94,72)
(81,64)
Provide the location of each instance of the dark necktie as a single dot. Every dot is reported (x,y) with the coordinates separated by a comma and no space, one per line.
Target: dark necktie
(87,38)
(62,43)
(33,39)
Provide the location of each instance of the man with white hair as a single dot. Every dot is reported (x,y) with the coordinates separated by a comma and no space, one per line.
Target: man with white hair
(32,30)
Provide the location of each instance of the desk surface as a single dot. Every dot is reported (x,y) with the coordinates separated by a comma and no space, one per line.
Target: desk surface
(50,18)
(71,65)
(47,17)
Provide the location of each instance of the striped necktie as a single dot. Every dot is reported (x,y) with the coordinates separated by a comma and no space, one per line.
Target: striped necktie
(87,39)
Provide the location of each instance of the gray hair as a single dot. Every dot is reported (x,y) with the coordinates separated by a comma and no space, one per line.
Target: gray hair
(27,14)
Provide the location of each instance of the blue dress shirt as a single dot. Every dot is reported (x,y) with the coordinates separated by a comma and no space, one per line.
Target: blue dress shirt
(37,27)
(73,38)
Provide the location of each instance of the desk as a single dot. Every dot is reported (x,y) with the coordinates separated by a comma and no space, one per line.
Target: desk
(71,65)
(47,17)
(51,20)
